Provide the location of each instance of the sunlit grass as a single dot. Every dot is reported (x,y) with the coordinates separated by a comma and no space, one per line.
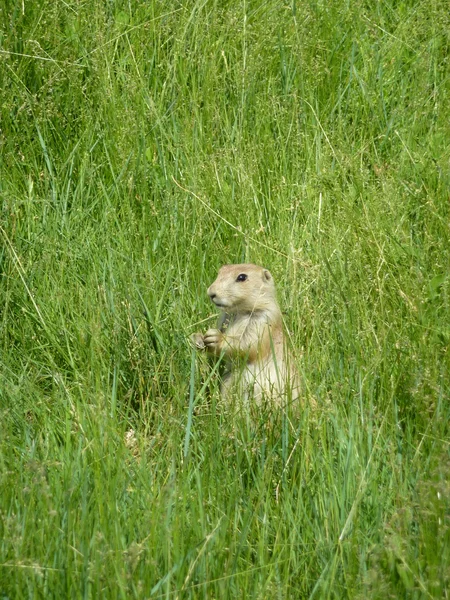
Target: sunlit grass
(142,146)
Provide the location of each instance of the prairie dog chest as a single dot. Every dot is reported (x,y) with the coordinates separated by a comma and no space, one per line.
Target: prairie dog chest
(239,325)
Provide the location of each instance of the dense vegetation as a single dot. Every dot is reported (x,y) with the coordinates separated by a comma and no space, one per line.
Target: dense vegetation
(144,144)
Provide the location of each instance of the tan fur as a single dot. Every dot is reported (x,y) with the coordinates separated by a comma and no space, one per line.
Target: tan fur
(250,335)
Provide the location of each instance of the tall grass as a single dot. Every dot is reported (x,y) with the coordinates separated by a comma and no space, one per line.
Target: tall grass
(144,144)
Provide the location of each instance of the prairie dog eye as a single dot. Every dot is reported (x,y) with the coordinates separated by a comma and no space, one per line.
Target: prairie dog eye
(242,277)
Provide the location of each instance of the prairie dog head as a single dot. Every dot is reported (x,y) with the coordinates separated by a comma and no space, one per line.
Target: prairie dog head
(243,288)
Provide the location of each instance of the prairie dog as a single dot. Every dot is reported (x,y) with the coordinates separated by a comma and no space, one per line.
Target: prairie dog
(250,335)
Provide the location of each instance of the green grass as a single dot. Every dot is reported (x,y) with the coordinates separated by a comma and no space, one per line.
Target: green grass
(144,144)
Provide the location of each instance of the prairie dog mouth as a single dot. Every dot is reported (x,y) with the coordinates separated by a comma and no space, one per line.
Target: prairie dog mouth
(219,304)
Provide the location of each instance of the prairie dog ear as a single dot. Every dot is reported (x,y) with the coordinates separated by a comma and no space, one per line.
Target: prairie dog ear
(267,275)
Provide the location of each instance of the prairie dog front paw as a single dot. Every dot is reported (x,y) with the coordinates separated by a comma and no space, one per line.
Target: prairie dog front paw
(197,340)
(213,340)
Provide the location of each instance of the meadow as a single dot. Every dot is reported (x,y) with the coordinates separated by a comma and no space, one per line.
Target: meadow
(143,144)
